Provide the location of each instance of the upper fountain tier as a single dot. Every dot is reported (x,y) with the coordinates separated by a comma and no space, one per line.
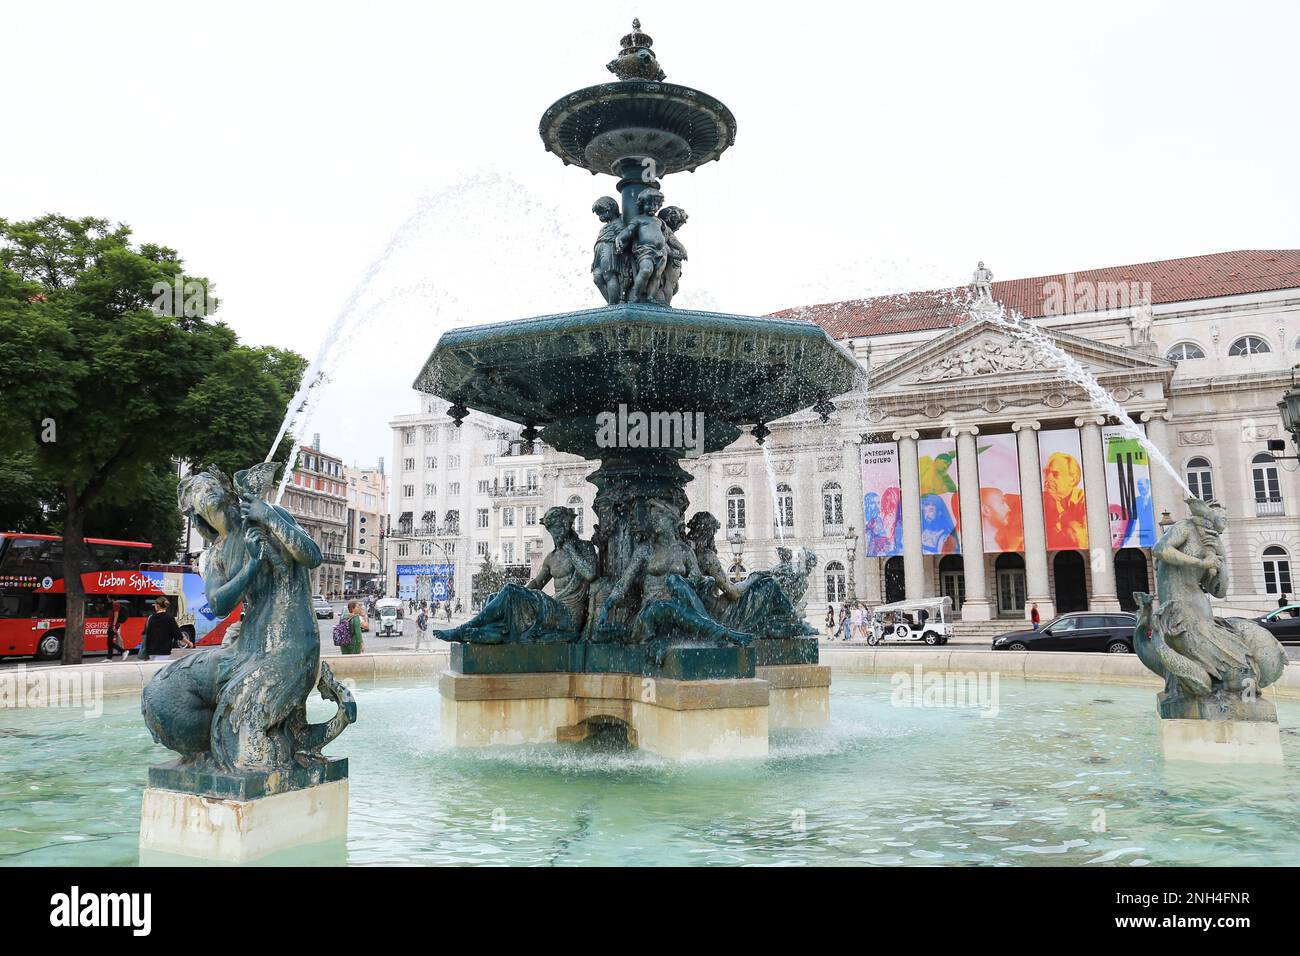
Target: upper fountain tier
(615,127)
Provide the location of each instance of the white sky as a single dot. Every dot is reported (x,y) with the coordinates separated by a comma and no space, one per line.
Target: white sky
(881,147)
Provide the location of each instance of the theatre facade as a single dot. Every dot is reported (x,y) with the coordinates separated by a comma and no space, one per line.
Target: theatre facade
(974,466)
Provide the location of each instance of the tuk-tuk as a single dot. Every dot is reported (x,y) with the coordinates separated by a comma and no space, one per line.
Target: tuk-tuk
(912,621)
(390,618)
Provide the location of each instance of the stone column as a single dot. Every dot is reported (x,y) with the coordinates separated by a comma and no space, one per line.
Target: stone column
(1166,495)
(910,480)
(976,607)
(1101,556)
(1031,505)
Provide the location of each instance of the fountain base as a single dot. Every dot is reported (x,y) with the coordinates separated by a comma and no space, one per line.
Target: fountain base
(800,695)
(674,719)
(1221,741)
(242,818)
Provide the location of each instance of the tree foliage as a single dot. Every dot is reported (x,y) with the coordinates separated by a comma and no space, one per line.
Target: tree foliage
(104,389)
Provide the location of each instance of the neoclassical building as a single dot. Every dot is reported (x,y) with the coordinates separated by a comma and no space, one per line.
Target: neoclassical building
(968,423)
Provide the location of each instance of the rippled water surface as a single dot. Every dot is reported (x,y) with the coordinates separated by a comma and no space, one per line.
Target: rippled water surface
(1063,774)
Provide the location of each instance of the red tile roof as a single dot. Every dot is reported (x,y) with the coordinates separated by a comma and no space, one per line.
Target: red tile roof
(1170,280)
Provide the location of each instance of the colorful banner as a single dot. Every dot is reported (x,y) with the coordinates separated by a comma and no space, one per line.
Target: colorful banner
(882,500)
(940,510)
(1065,512)
(1000,508)
(1128,490)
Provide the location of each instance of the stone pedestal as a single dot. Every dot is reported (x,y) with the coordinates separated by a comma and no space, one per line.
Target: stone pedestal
(677,719)
(1220,728)
(799,695)
(242,818)
(1221,741)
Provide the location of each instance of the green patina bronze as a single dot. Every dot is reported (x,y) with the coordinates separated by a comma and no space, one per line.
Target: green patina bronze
(237,713)
(640,597)
(1214,668)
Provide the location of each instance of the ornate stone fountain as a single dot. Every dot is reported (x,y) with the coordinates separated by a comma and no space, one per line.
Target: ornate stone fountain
(644,628)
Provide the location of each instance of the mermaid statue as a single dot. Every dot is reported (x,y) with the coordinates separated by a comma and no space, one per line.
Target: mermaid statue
(1213,668)
(242,707)
(759,605)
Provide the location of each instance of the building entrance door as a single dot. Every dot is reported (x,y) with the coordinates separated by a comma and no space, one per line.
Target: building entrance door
(1010,568)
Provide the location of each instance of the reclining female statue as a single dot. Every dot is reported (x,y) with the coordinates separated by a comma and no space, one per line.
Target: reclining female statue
(758,605)
(528,614)
(242,706)
(671,584)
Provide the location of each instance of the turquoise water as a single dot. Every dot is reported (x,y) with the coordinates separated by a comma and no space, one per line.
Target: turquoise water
(1064,774)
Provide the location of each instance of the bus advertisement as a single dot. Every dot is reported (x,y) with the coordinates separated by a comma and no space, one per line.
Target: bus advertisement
(33,607)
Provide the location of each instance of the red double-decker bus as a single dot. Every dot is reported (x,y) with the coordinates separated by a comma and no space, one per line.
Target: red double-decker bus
(33,606)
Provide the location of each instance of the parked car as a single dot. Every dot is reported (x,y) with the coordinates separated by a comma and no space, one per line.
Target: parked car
(1284,623)
(323,608)
(1084,631)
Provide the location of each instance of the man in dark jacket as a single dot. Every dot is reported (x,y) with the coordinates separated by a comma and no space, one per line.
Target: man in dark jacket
(160,632)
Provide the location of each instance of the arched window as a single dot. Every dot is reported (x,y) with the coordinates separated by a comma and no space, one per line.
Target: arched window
(1249,345)
(836,583)
(735,508)
(576,504)
(1183,351)
(784,506)
(1267,484)
(832,508)
(1200,478)
(1277,570)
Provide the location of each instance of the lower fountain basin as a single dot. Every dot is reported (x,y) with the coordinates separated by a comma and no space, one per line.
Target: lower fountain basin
(880,784)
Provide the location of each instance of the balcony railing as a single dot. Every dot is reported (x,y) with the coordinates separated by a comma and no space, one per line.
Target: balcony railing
(334,557)
(1268,507)
(518,491)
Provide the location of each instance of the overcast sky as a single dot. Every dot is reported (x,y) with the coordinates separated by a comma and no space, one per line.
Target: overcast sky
(881,147)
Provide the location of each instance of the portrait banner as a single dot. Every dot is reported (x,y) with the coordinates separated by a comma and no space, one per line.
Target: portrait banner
(940,510)
(1065,512)
(882,500)
(1128,490)
(1000,502)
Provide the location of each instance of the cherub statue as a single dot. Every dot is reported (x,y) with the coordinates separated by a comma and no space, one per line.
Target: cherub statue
(645,239)
(1179,638)
(671,588)
(606,269)
(242,706)
(673,218)
(791,572)
(527,614)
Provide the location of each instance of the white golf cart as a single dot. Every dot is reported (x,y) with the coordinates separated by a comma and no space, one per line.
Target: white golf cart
(390,618)
(912,621)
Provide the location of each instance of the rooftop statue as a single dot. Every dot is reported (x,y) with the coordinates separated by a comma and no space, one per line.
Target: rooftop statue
(242,706)
(1213,668)
(983,282)
(526,614)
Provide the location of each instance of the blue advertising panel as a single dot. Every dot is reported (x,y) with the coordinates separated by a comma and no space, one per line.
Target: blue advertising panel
(440,577)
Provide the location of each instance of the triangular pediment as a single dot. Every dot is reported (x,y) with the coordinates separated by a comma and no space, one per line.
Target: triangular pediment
(984,352)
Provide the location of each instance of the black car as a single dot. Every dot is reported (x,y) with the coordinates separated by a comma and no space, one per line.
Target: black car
(1284,624)
(1085,631)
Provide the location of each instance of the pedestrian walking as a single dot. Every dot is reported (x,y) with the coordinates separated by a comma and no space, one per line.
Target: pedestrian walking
(160,632)
(1034,618)
(421,626)
(357,623)
(830,619)
(846,622)
(447,607)
(116,617)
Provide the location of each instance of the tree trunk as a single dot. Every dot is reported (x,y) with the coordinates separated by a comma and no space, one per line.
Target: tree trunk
(74,631)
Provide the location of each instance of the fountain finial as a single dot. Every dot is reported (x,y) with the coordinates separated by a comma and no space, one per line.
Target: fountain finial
(636,61)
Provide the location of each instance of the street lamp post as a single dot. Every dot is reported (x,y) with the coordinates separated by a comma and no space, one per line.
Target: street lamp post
(851,550)
(737,547)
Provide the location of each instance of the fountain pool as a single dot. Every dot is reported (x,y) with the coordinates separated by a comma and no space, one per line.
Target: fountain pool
(1064,774)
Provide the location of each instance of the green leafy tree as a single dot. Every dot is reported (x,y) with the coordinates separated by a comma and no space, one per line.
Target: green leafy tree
(490,579)
(112,367)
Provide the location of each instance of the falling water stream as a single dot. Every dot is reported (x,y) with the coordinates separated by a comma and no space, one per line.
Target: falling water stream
(1073,370)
